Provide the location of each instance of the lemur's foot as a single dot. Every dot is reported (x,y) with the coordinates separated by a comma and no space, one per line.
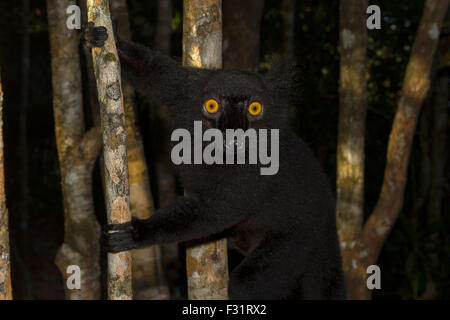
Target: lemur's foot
(94,36)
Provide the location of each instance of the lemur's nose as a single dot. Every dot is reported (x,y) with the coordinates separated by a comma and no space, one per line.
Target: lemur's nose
(233,118)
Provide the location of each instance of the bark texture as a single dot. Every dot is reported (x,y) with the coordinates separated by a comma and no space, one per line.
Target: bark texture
(241,33)
(206,263)
(351,125)
(148,281)
(5,257)
(367,246)
(117,190)
(77,152)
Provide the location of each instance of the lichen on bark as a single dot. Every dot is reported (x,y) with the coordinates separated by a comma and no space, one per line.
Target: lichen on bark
(351,123)
(77,152)
(117,191)
(148,281)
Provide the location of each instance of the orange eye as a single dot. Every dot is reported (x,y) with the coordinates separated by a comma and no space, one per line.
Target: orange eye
(211,106)
(255,108)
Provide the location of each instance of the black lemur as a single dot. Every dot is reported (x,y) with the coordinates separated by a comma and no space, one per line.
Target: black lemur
(284,224)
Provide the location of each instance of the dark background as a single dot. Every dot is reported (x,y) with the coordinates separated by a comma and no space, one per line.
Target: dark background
(403,259)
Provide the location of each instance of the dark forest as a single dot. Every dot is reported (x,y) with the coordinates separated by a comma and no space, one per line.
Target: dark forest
(373,108)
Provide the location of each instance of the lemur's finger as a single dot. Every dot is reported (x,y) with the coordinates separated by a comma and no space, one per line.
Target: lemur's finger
(100,33)
(118,241)
(118,227)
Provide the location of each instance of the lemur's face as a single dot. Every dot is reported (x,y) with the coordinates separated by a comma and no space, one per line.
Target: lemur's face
(232,112)
(233,100)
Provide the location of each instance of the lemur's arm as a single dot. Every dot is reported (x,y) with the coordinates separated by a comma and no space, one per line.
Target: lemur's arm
(149,71)
(187,218)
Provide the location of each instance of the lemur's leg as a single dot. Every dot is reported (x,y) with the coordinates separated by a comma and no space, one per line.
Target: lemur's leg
(266,272)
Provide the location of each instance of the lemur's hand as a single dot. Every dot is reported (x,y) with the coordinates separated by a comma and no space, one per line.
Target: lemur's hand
(121,237)
(94,36)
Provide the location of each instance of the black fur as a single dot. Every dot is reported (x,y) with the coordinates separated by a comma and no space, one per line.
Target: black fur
(284,224)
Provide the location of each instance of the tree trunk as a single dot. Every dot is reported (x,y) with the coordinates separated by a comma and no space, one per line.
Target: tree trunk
(77,152)
(241,33)
(164,26)
(368,245)
(148,280)
(351,126)
(164,173)
(437,185)
(23,121)
(5,257)
(166,179)
(438,161)
(425,165)
(23,244)
(117,190)
(206,263)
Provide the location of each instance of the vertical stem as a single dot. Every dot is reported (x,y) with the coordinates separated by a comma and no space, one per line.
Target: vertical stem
(23,121)
(77,152)
(23,241)
(425,165)
(351,132)
(438,181)
(117,191)
(241,33)
(166,178)
(164,26)
(164,173)
(206,263)
(415,87)
(414,90)
(148,282)
(5,258)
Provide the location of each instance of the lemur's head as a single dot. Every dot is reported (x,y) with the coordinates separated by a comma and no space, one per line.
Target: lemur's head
(227,99)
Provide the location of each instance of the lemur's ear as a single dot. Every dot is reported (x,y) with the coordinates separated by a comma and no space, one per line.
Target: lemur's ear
(284,81)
